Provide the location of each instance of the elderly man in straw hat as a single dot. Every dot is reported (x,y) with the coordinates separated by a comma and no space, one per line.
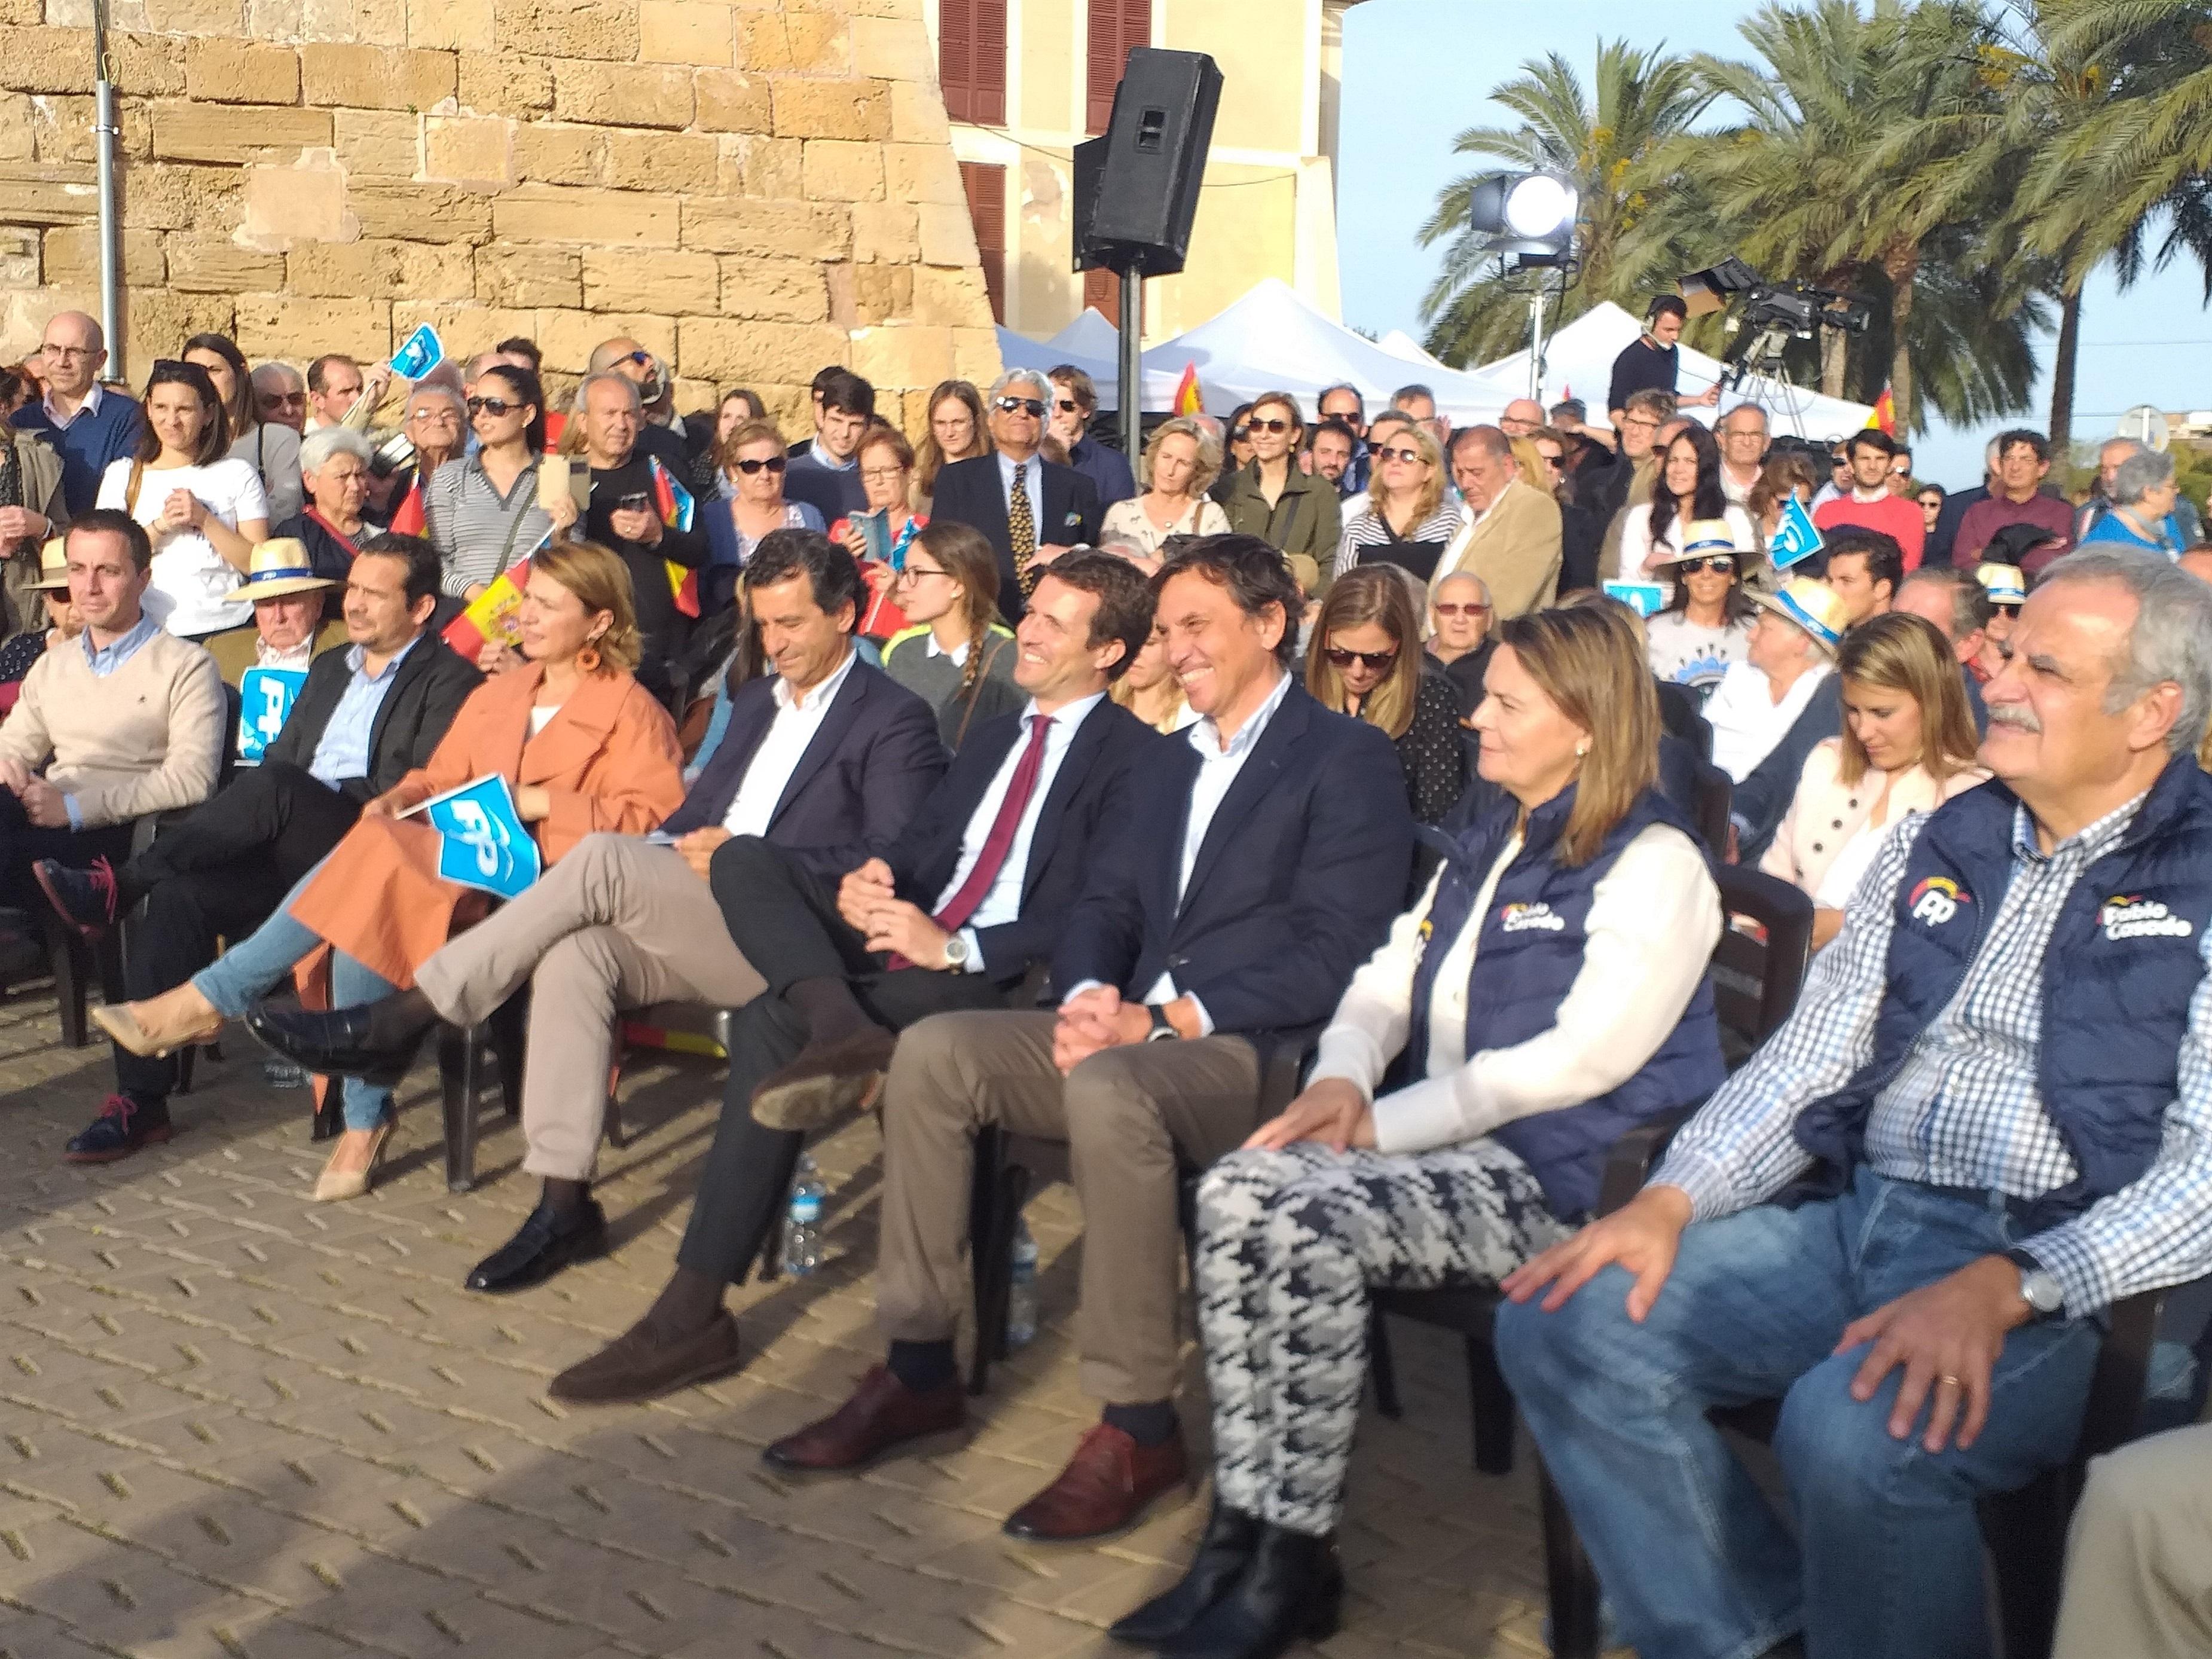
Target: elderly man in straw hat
(1792,649)
(289,602)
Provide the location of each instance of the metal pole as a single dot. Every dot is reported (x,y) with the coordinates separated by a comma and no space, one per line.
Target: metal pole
(104,136)
(1536,344)
(1132,335)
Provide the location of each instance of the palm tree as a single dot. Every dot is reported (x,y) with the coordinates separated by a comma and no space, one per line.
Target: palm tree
(1631,213)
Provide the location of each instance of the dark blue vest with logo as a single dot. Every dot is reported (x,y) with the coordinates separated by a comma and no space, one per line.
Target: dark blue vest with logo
(2123,962)
(1526,956)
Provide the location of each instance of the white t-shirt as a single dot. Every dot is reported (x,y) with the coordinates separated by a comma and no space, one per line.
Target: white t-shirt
(197,579)
(1690,654)
(1746,719)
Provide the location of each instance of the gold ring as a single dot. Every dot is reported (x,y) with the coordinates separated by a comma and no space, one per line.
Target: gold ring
(1953,1381)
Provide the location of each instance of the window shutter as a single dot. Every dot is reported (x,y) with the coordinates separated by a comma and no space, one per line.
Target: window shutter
(987,210)
(1101,290)
(972,60)
(1115,27)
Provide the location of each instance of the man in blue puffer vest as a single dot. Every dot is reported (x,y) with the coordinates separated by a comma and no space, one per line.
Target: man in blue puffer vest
(1989,1118)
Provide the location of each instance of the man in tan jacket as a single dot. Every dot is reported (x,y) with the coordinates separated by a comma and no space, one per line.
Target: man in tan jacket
(121,720)
(1511,536)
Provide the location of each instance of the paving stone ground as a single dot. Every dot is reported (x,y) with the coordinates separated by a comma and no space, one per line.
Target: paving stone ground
(235,1425)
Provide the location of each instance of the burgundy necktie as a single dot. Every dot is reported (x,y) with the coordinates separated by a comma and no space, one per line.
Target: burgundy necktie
(1001,841)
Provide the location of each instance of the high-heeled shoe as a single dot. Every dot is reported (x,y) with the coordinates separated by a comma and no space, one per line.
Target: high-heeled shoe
(334,1184)
(1292,1591)
(155,1027)
(1224,1553)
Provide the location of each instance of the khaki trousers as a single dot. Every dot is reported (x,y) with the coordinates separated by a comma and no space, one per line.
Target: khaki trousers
(2139,1565)
(617,923)
(1124,1114)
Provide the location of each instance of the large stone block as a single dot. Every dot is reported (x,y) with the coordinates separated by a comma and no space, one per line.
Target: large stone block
(207,199)
(893,50)
(505,83)
(832,109)
(922,174)
(839,170)
(903,355)
(975,355)
(553,153)
(45,60)
(728,101)
(286,326)
(776,291)
(419,213)
(468,148)
(880,294)
(64,129)
(71,255)
(194,16)
(223,132)
(610,218)
(230,71)
(786,41)
(886,232)
(281,207)
(450,24)
(568,338)
(727,350)
(19,262)
(527,277)
(624,94)
(25,14)
(948,234)
(603,29)
(918,114)
(755,166)
(148,65)
(685,32)
(683,161)
(156,320)
(376,77)
(952,296)
(18,142)
(737,224)
(378,143)
(35,193)
(198,266)
(381,269)
(379,22)
(677,284)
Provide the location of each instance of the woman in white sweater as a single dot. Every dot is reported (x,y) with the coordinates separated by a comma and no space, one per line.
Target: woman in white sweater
(1503,986)
(1687,492)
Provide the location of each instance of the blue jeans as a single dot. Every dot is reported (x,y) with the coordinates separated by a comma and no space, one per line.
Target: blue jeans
(249,970)
(1888,1557)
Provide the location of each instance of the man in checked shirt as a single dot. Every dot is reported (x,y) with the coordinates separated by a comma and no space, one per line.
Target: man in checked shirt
(1989,1118)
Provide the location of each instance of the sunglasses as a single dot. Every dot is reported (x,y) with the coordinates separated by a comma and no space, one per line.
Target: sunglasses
(493,406)
(774,463)
(1068,406)
(1033,407)
(284,399)
(1446,610)
(636,357)
(1271,424)
(1374,661)
(1721,564)
(1407,455)
(1552,460)
(2006,610)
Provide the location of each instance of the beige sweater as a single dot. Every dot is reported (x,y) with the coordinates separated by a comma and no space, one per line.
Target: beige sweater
(147,738)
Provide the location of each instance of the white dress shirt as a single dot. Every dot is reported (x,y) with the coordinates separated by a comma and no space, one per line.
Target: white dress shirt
(769,773)
(1002,902)
(1746,719)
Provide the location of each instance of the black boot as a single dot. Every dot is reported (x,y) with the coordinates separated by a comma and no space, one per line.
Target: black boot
(1223,1554)
(1292,1591)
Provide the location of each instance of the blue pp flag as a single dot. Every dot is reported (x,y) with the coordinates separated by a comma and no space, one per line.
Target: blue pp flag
(422,353)
(1794,539)
(482,840)
(1644,598)
(266,696)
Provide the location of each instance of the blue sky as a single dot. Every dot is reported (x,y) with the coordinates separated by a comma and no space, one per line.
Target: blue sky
(1419,72)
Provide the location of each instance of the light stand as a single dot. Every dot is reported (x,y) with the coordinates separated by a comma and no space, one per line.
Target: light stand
(1131,413)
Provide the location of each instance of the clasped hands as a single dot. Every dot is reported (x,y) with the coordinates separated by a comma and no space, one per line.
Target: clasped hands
(868,900)
(43,803)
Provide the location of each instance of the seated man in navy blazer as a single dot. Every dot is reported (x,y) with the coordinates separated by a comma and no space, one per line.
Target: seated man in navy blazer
(1030,509)
(1258,863)
(953,914)
(829,758)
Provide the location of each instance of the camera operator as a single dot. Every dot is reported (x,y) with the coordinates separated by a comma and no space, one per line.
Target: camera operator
(1653,359)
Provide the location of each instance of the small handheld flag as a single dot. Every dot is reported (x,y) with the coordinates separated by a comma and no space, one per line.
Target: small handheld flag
(422,352)
(674,504)
(266,696)
(1885,413)
(1187,400)
(1795,540)
(409,519)
(491,616)
(482,840)
(1644,598)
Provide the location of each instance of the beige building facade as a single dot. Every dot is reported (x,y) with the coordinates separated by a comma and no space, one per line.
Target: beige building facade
(1026,81)
(753,188)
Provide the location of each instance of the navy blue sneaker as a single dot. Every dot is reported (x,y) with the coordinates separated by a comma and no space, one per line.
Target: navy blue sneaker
(122,1127)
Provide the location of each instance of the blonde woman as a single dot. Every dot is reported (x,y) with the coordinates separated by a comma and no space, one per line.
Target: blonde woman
(1907,746)
(957,656)
(1180,466)
(1150,690)
(1407,521)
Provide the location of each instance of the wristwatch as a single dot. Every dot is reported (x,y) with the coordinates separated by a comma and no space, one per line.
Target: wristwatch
(1160,1032)
(956,952)
(2045,1297)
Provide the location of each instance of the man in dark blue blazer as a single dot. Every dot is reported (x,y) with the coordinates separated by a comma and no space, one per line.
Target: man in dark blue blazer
(991,493)
(955,913)
(829,759)
(1260,862)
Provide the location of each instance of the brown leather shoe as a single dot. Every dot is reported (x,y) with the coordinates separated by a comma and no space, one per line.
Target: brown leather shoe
(636,1366)
(818,1084)
(1104,1487)
(882,1414)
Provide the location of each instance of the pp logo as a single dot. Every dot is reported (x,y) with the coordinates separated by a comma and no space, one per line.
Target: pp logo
(475,830)
(1935,901)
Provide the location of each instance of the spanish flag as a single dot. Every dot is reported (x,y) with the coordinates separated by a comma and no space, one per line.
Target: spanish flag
(1885,413)
(676,507)
(491,615)
(1187,399)
(408,519)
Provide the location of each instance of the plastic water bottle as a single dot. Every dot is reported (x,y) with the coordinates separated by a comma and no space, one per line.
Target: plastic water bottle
(1022,1293)
(802,1226)
(282,1073)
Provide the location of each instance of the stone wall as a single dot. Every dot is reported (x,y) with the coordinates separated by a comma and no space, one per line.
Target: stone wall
(750,189)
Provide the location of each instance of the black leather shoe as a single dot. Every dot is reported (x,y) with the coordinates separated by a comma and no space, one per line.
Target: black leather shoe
(545,1243)
(376,1041)
(1223,1554)
(1292,1591)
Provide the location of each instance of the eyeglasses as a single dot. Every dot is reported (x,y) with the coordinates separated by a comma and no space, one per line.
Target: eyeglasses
(774,463)
(1374,661)
(883,474)
(1407,455)
(1721,564)
(495,407)
(914,573)
(1642,423)
(1444,609)
(284,399)
(68,353)
(1032,407)
(1271,424)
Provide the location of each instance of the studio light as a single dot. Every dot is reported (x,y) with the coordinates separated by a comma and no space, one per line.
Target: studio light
(1527,215)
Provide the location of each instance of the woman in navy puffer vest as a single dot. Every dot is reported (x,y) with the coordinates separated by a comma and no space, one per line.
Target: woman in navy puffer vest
(1546,993)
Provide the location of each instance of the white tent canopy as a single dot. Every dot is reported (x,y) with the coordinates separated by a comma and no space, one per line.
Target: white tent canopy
(1579,363)
(1019,352)
(1399,343)
(1091,335)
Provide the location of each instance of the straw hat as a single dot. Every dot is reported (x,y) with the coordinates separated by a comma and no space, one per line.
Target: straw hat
(1704,538)
(53,565)
(2002,582)
(1814,606)
(281,565)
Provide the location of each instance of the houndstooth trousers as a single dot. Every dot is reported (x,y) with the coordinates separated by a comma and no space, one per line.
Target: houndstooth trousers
(1289,1243)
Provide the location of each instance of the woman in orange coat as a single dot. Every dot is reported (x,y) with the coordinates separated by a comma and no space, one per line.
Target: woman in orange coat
(580,743)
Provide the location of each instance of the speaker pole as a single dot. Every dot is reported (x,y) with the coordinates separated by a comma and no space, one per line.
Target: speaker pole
(1132,334)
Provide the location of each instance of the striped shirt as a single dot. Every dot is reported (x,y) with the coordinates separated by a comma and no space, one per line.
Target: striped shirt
(477,532)
(1966,1109)
(1368,528)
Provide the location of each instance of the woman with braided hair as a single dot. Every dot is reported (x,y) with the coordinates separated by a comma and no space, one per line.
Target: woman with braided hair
(957,656)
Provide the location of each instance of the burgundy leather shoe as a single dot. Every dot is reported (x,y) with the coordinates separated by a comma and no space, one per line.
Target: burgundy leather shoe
(882,1414)
(819,1084)
(1104,1487)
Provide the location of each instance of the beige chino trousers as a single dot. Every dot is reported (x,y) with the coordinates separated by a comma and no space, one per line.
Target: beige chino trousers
(619,924)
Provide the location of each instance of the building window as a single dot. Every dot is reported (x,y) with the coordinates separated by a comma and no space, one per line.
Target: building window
(1116,26)
(972,60)
(1102,292)
(987,210)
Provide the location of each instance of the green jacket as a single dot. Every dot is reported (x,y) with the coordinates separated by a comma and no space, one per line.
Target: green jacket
(1303,519)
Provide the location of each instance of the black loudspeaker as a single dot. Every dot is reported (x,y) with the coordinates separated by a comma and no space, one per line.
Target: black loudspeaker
(1148,176)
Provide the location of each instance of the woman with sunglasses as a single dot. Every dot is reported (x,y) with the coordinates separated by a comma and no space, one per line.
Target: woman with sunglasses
(204,509)
(1787,474)
(482,513)
(1707,625)
(1273,498)
(270,448)
(1687,491)
(1240,444)
(886,463)
(957,432)
(1364,660)
(957,656)
(1407,521)
(753,460)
